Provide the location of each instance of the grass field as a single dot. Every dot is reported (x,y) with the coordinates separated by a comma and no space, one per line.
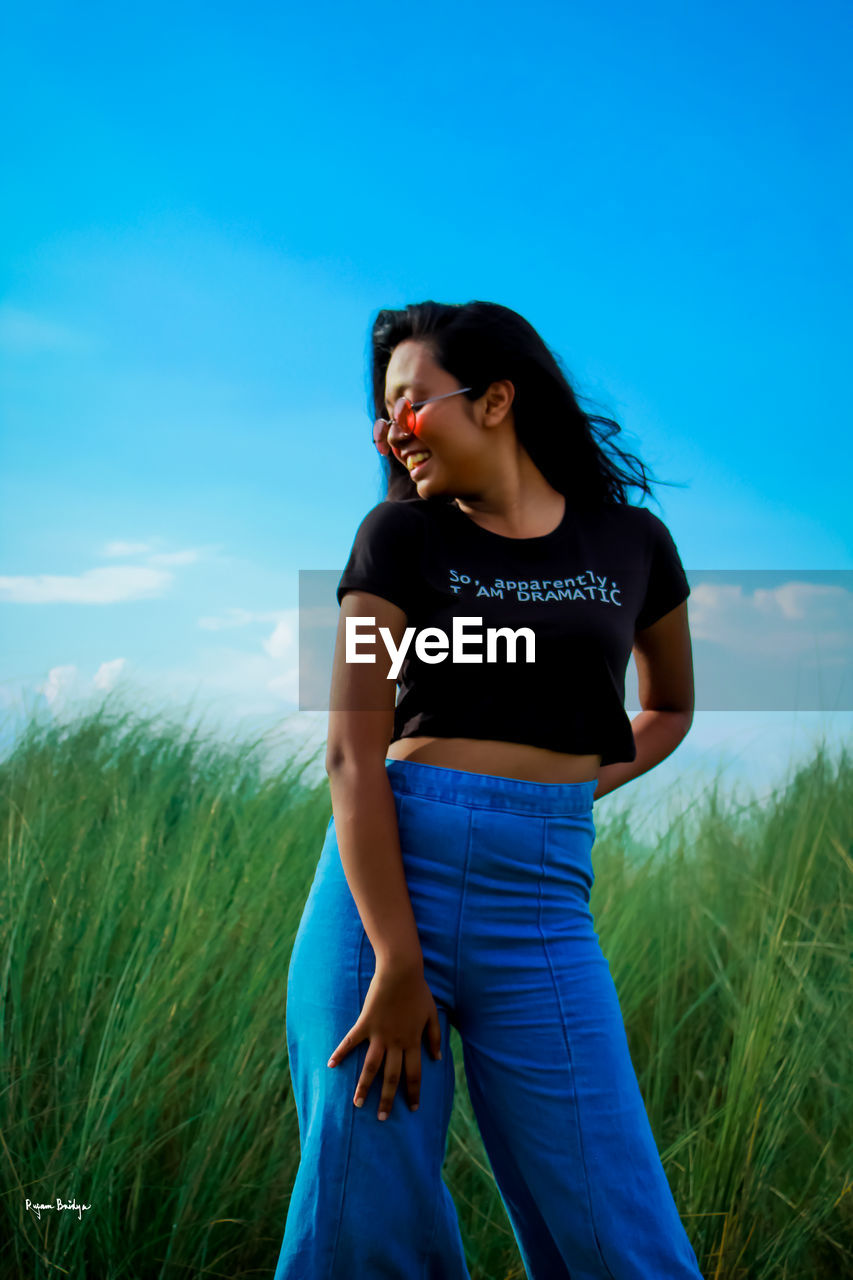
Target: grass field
(153,882)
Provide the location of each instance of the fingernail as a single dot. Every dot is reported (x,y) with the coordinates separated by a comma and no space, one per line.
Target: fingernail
(330,1063)
(383,1115)
(415,1106)
(359,1102)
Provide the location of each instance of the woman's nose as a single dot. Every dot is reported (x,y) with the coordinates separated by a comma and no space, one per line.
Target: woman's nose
(397,434)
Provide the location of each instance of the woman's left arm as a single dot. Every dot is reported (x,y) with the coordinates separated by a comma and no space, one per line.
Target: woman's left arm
(664,658)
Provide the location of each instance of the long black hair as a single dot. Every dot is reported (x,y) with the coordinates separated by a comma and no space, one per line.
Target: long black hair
(482,342)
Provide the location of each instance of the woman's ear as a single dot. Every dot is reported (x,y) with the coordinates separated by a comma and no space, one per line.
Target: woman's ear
(499,398)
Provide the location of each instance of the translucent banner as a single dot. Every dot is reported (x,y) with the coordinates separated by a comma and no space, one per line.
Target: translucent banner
(763,639)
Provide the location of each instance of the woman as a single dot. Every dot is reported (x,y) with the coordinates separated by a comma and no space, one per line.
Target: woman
(454,882)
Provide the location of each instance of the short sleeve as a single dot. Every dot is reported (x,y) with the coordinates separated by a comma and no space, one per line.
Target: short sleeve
(385,555)
(667,584)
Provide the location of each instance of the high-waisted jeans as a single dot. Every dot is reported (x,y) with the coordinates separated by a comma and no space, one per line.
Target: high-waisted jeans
(499,874)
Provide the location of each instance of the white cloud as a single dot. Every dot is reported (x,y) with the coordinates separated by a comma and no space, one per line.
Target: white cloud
(126,548)
(107,673)
(231,618)
(61,684)
(24,332)
(797,601)
(282,644)
(261,683)
(787,621)
(235,617)
(66,685)
(191,556)
(286,686)
(320,616)
(105,584)
(221,673)
(94,586)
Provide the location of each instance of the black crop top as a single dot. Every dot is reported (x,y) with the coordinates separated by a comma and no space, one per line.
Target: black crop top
(583,589)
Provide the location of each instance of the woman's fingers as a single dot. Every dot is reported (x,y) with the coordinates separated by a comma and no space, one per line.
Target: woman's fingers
(352,1038)
(391,1078)
(413,1077)
(397,1059)
(372,1063)
(393,1063)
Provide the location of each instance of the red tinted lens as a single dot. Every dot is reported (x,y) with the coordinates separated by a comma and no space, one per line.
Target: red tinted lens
(405,416)
(380,436)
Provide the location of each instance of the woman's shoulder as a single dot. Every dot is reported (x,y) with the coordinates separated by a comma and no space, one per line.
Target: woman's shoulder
(625,516)
(405,515)
(616,515)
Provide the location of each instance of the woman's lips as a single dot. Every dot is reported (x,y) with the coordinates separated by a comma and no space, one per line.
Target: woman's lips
(415,461)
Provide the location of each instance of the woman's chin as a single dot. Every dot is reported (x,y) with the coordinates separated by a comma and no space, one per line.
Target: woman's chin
(433,482)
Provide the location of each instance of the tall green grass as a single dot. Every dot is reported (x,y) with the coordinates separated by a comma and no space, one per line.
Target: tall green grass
(153,882)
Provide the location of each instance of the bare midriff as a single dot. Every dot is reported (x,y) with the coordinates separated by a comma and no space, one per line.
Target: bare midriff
(503,759)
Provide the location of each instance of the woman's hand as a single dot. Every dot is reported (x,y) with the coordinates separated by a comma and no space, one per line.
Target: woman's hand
(398,1010)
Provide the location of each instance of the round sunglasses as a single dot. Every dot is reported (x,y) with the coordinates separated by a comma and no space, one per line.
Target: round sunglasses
(404,415)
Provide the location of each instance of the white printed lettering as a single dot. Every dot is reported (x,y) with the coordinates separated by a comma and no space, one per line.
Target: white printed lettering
(459,639)
(511,638)
(431,645)
(353,639)
(396,655)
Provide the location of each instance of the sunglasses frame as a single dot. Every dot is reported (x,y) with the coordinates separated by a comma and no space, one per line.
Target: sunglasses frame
(384,424)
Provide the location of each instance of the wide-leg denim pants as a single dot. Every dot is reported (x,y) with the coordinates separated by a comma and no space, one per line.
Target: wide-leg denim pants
(499,874)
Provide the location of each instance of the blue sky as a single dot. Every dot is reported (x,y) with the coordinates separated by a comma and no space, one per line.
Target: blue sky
(205,206)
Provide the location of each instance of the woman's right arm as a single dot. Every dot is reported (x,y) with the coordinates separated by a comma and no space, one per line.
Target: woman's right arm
(361,725)
(399,1006)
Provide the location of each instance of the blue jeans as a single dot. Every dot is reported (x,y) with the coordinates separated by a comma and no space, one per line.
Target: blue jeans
(499,874)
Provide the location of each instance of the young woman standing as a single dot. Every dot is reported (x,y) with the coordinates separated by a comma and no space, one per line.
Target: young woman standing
(454,882)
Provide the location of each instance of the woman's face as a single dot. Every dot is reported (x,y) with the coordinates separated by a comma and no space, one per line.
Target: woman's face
(447,431)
